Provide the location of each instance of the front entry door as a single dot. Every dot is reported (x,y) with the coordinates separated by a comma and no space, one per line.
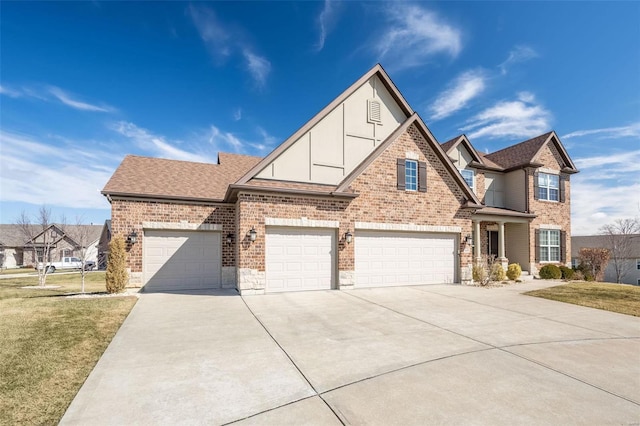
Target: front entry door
(492,238)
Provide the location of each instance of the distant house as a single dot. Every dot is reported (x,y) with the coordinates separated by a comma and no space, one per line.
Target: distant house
(631,263)
(103,245)
(20,251)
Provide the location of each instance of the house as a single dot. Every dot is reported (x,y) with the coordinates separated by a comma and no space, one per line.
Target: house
(362,195)
(630,263)
(103,245)
(18,250)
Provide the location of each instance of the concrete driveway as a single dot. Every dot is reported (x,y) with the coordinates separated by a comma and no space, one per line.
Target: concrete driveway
(408,355)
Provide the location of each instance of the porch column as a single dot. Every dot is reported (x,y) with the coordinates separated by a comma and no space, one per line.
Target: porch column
(476,241)
(501,252)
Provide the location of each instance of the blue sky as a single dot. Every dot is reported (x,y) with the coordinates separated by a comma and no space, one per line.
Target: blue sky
(84,83)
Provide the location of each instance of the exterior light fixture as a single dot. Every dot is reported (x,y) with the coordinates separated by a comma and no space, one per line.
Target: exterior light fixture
(229,238)
(253,234)
(468,239)
(348,237)
(132,238)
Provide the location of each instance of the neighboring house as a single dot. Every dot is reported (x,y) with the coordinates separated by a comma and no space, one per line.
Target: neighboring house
(631,263)
(103,245)
(20,251)
(362,195)
(12,242)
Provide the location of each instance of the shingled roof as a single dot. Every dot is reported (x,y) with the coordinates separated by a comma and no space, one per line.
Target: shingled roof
(446,146)
(518,154)
(161,178)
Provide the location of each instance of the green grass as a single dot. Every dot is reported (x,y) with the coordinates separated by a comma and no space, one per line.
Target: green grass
(621,298)
(49,344)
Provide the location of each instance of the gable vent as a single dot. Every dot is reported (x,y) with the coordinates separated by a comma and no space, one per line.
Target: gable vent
(374,111)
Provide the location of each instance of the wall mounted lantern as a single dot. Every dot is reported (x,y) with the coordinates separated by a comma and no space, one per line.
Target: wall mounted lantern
(229,238)
(132,238)
(253,234)
(348,237)
(468,239)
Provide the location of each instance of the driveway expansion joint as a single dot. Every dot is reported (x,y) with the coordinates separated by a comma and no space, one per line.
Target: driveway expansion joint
(503,348)
(292,362)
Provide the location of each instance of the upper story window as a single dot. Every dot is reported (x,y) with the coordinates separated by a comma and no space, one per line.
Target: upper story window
(411,175)
(638,264)
(548,187)
(468,176)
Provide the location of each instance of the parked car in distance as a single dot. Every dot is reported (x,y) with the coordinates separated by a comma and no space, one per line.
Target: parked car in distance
(68,263)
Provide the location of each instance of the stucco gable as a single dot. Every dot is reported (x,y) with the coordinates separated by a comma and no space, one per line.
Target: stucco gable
(330,145)
(429,148)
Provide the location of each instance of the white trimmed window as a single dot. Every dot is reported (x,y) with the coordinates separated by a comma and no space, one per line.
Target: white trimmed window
(411,175)
(548,187)
(638,264)
(549,245)
(468,176)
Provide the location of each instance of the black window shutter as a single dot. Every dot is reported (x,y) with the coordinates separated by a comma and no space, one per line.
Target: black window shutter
(536,193)
(537,246)
(561,180)
(422,176)
(401,177)
(563,246)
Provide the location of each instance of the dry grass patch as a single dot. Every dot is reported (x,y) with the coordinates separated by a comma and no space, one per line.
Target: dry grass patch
(621,298)
(49,344)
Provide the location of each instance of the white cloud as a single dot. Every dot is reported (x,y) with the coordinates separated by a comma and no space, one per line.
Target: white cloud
(216,37)
(157,145)
(228,142)
(237,114)
(632,130)
(52,93)
(414,35)
(258,66)
(516,55)
(66,99)
(4,90)
(607,188)
(596,204)
(326,22)
(35,172)
(521,118)
(625,161)
(463,89)
(224,41)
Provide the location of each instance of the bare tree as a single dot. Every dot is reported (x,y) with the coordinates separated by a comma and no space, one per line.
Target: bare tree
(41,236)
(81,234)
(619,240)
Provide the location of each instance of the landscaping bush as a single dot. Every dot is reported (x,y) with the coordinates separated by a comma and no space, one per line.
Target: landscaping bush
(584,272)
(479,274)
(567,273)
(514,271)
(550,272)
(116,276)
(497,272)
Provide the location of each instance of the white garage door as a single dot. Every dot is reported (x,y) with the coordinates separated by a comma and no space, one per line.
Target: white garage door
(299,259)
(386,258)
(181,260)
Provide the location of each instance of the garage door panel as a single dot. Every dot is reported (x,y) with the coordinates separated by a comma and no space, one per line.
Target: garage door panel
(299,259)
(179,260)
(385,258)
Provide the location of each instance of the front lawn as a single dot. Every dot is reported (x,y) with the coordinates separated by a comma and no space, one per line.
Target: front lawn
(50,343)
(621,298)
